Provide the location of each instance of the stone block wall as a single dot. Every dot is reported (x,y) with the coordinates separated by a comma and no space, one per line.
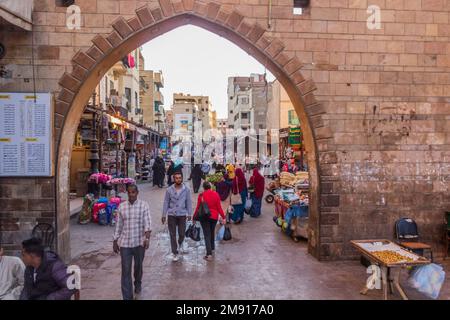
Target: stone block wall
(382,126)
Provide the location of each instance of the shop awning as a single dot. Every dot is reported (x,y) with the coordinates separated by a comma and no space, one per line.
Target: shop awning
(17,13)
(114,120)
(142,131)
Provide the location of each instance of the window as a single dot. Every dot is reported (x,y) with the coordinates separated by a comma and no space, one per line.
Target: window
(231,111)
(244,115)
(299,6)
(293,119)
(243,100)
(128,98)
(136,98)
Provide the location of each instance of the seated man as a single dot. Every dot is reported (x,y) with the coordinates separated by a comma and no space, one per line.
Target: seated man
(45,274)
(11,277)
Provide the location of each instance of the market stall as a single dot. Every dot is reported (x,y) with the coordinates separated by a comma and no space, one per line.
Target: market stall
(390,258)
(291,212)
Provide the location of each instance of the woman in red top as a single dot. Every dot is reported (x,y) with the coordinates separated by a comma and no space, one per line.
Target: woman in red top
(212,199)
(257,181)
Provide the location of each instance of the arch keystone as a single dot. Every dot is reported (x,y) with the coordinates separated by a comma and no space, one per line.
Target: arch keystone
(167,8)
(178,7)
(188,5)
(200,8)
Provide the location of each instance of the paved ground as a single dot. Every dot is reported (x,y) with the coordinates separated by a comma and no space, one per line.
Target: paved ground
(259,263)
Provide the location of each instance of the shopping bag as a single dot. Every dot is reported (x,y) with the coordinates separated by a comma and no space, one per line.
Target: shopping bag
(220,233)
(248,205)
(227,234)
(235,199)
(193,232)
(428,279)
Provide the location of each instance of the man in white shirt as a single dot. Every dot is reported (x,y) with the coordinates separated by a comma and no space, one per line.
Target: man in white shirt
(12,272)
(131,239)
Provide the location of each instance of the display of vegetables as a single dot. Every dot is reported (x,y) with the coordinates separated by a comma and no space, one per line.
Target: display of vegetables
(388,257)
(214,178)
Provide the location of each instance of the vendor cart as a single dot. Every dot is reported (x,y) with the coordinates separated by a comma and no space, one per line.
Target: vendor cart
(295,225)
(390,258)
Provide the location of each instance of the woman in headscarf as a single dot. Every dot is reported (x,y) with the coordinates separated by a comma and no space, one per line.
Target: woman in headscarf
(239,187)
(257,182)
(223,188)
(170,172)
(159,170)
(196,176)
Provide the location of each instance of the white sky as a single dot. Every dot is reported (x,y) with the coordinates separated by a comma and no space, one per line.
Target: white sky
(198,62)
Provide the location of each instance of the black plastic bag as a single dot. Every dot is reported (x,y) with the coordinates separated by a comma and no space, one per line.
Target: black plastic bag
(227,234)
(193,232)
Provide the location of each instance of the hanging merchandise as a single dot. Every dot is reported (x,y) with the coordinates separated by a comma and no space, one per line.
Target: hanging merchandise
(125,62)
(131,62)
(132,166)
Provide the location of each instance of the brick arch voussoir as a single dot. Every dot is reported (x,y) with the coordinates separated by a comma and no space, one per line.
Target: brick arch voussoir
(149,15)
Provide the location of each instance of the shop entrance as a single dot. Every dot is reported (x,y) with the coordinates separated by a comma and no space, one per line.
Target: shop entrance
(91,66)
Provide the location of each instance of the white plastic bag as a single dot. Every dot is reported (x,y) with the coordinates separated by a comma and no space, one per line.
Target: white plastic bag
(428,279)
(248,204)
(219,235)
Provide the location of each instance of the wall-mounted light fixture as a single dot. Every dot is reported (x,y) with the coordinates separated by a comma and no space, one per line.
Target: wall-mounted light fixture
(300,5)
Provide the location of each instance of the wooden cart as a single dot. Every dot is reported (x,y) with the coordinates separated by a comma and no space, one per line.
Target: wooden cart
(387,269)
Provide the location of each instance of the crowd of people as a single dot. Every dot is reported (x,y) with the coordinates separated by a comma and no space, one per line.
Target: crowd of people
(42,275)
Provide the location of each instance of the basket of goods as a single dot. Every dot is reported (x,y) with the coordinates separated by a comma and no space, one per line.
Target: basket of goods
(99,178)
(214,178)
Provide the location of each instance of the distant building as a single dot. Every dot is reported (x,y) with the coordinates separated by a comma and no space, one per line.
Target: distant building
(151,98)
(247,102)
(222,125)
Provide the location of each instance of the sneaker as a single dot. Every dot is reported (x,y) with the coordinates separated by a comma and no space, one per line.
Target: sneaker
(183,247)
(208,258)
(175,257)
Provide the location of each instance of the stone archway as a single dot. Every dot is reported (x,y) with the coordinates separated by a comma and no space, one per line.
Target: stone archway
(89,66)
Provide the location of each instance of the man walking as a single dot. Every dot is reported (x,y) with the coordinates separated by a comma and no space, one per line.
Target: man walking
(131,239)
(178,208)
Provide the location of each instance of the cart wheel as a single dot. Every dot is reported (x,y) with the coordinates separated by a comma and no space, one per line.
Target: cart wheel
(269,198)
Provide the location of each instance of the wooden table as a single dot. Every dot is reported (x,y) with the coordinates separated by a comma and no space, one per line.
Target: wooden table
(388,268)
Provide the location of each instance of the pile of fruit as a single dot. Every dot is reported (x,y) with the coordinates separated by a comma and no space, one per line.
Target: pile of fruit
(390,257)
(214,178)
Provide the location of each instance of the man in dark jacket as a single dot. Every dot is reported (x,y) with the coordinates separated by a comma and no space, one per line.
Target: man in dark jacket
(45,274)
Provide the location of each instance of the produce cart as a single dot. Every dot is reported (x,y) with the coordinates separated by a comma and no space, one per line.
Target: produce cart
(292,217)
(390,258)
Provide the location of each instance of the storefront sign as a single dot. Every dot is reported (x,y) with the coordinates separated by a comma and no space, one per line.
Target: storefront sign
(25,134)
(183,123)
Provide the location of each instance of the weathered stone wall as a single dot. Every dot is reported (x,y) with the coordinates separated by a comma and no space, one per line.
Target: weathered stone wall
(382,126)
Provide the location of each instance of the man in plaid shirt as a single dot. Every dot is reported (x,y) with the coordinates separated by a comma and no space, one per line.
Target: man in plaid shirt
(131,239)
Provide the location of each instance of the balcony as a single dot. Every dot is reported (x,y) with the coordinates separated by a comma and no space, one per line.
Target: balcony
(115,100)
(158,97)
(119,69)
(158,79)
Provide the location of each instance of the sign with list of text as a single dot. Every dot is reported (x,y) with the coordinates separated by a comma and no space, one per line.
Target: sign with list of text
(25,134)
